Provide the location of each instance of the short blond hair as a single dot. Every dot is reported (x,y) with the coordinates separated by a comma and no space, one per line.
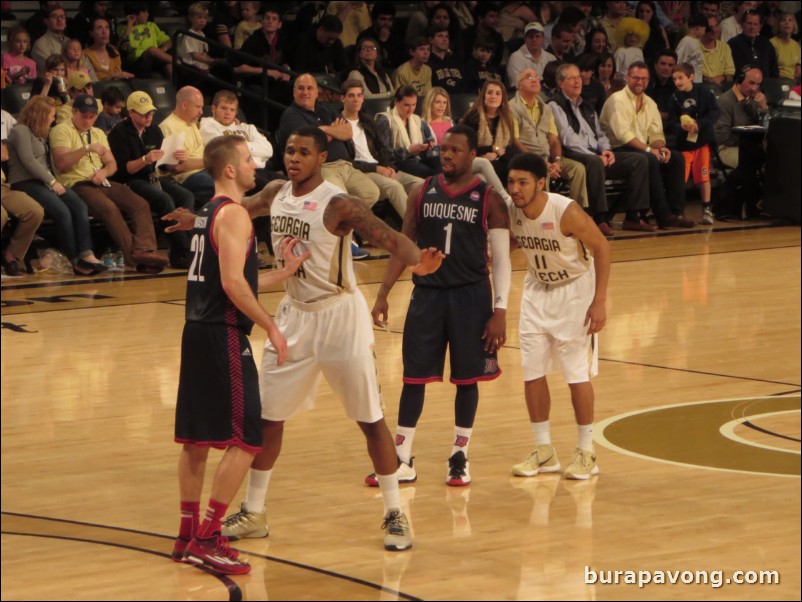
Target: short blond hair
(198,9)
(221,151)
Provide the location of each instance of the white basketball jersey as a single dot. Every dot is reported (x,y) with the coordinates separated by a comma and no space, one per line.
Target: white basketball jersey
(551,256)
(330,269)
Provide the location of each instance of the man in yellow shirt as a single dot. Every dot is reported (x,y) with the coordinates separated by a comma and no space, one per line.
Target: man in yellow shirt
(83,161)
(187,163)
(632,122)
(717,64)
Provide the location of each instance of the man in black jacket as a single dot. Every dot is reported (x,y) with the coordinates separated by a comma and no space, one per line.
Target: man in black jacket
(136,146)
(372,157)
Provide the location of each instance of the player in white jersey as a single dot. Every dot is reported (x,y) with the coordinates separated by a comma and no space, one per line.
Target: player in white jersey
(562,309)
(328,327)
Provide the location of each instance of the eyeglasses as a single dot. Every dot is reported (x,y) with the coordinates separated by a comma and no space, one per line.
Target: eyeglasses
(369,48)
(529,78)
(58,17)
(639,79)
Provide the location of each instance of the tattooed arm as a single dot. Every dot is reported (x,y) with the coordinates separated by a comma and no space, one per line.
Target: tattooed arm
(259,204)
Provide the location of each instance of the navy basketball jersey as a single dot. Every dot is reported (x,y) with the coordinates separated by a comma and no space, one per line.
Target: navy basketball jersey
(456,224)
(207,302)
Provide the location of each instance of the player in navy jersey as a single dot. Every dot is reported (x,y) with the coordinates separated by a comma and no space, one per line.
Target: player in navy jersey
(455,307)
(218,392)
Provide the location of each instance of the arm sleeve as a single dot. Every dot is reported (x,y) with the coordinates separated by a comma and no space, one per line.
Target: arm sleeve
(20,140)
(502,267)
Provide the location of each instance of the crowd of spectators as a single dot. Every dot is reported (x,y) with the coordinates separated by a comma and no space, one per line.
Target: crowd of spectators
(645,93)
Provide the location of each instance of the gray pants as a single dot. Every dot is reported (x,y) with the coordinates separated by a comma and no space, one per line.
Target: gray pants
(395,189)
(29,214)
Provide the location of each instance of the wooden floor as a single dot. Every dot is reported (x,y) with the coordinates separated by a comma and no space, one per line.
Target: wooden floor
(698,441)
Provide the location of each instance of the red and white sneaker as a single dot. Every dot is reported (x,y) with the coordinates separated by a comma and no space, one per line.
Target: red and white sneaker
(179,547)
(214,553)
(405,473)
(458,470)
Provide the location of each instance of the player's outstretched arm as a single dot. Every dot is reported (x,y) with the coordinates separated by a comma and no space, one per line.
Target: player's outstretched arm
(577,223)
(259,204)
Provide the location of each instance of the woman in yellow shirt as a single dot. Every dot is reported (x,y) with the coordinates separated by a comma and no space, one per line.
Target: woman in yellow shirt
(788,50)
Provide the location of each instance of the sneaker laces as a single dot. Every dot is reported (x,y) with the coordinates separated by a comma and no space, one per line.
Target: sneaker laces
(393,523)
(221,544)
(233,519)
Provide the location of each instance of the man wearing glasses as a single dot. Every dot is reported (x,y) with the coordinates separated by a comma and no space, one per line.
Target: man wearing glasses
(631,120)
(53,40)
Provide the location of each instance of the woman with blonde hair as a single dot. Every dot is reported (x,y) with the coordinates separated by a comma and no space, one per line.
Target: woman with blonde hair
(436,113)
(29,172)
(491,117)
(76,60)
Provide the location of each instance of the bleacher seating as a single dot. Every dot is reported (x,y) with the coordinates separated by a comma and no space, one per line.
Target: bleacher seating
(15,96)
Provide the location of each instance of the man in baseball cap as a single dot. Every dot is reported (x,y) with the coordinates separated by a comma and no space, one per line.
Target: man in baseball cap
(78,83)
(140,102)
(531,55)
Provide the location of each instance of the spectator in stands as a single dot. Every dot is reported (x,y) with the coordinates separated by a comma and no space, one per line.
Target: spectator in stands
(632,35)
(105,57)
(788,49)
(531,55)
(562,42)
(136,144)
(192,51)
(717,65)
(751,48)
(480,67)
(418,23)
(29,173)
(80,26)
(269,44)
(53,82)
(442,15)
(491,117)
(596,42)
(740,106)
(29,216)
(83,163)
(593,91)
(487,16)
(731,26)
(605,73)
(224,122)
(7,122)
(689,49)
(405,134)
(415,72)
(371,156)
(710,9)
(320,50)
(112,101)
(305,110)
(391,45)
(249,23)
(77,84)
(187,164)
(447,71)
(549,80)
(355,17)
(513,18)
(614,12)
(692,114)
(52,41)
(584,142)
(661,87)
(19,68)
(631,121)
(36,25)
(146,44)
(74,59)
(658,38)
(369,70)
(575,18)
(538,133)
(225,16)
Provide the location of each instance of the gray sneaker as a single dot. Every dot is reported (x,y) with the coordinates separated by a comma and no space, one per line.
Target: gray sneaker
(398,537)
(707,216)
(246,525)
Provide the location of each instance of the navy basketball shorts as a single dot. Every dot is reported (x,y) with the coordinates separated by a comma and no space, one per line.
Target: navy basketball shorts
(218,389)
(453,318)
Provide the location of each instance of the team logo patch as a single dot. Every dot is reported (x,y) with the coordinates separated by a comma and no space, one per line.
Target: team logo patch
(461,441)
(547,225)
(310,205)
(399,440)
(491,365)
(475,195)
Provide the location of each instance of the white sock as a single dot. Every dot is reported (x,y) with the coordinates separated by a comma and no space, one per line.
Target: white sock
(258,481)
(391,493)
(585,432)
(542,431)
(462,437)
(404,436)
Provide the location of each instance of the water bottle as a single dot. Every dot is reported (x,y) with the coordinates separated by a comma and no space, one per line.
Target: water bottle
(119,261)
(107,258)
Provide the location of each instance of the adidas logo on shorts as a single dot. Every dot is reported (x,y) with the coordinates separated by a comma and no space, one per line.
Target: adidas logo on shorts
(247,353)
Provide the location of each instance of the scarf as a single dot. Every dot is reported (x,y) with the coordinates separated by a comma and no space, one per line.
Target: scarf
(503,134)
(402,137)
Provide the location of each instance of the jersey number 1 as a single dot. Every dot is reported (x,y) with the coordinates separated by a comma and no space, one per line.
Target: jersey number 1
(449,228)
(196,246)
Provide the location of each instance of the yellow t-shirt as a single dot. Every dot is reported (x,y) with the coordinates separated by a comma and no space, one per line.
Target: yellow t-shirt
(65,135)
(788,55)
(717,61)
(193,141)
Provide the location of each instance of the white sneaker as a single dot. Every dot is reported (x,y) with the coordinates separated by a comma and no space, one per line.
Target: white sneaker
(543,459)
(246,525)
(707,216)
(582,466)
(405,473)
(398,537)
(458,470)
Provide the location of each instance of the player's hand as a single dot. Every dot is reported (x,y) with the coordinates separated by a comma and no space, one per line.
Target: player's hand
(292,254)
(430,260)
(596,317)
(279,342)
(184,220)
(380,312)
(495,332)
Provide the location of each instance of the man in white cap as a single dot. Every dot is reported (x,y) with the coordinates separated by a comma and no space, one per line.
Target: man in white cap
(136,145)
(83,162)
(531,55)
(77,83)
